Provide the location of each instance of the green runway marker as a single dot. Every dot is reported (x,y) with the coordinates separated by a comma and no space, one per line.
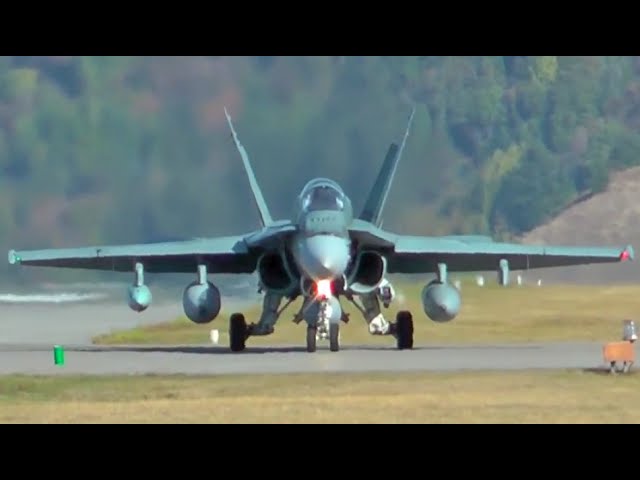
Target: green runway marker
(58,355)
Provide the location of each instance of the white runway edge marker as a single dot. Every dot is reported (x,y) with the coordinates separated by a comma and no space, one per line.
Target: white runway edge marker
(215,336)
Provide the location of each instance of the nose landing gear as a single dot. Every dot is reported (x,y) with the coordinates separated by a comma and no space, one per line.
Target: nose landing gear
(323,318)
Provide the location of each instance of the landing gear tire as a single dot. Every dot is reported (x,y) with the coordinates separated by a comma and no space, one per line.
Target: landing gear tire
(311,339)
(334,337)
(404,330)
(237,332)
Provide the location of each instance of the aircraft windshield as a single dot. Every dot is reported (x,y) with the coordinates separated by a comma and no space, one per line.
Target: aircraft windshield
(323,198)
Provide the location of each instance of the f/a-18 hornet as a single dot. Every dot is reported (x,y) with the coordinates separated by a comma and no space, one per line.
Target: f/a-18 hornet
(325,254)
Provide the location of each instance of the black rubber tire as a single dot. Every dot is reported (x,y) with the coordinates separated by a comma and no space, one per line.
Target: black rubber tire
(404,330)
(237,332)
(311,339)
(334,337)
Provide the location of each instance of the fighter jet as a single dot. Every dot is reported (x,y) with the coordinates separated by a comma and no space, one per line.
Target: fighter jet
(324,254)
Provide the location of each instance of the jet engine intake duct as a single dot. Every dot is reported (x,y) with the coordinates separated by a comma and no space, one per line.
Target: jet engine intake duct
(440,301)
(369,271)
(275,273)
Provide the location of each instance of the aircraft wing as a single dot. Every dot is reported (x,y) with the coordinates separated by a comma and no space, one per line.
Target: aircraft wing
(418,254)
(461,253)
(230,254)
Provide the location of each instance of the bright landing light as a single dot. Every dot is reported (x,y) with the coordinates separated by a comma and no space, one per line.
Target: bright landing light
(323,288)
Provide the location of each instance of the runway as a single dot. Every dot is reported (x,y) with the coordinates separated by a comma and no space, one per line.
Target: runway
(29,331)
(38,359)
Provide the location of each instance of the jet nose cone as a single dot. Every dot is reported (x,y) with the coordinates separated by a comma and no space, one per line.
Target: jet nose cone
(325,256)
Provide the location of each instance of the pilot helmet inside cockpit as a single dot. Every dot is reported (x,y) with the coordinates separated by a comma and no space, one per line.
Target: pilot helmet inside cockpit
(323,198)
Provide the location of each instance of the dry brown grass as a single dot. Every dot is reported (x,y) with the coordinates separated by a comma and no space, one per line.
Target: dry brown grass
(526,397)
(490,313)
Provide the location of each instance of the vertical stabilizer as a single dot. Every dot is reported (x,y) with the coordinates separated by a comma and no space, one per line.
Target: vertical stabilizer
(372,211)
(263,210)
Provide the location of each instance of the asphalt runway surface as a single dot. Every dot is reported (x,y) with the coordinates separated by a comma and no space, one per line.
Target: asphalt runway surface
(28,333)
(38,359)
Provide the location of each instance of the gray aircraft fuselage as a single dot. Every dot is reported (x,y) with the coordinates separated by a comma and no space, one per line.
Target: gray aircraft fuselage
(321,247)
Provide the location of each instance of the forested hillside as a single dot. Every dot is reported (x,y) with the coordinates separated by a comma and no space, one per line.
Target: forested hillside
(135,149)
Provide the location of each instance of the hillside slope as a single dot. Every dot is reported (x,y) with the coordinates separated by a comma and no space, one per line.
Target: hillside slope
(608,218)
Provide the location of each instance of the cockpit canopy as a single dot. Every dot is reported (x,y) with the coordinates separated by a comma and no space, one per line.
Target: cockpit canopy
(323,197)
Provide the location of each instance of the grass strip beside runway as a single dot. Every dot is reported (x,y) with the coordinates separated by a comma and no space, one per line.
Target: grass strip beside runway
(481,397)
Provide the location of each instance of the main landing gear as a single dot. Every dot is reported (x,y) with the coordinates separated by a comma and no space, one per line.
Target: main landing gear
(323,329)
(238,332)
(404,330)
(323,318)
(401,330)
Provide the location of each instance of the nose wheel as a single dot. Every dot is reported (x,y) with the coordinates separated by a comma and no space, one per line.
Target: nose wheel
(323,318)
(332,333)
(334,337)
